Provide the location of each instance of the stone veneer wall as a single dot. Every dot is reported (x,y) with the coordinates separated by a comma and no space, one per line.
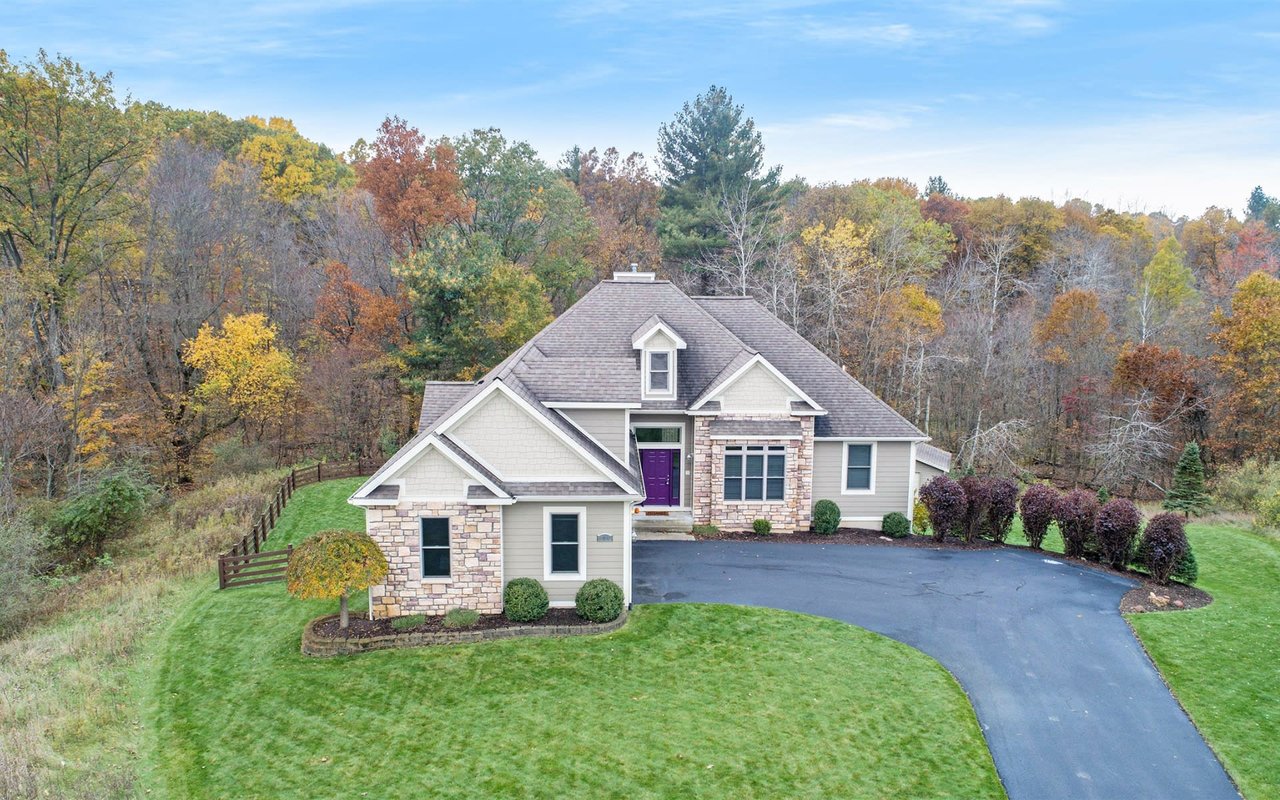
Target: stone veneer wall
(475,548)
(792,513)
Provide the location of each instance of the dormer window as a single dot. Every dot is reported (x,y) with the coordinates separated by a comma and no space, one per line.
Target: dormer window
(659,347)
(659,371)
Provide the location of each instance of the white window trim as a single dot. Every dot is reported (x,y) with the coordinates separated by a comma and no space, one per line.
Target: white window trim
(652,394)
(422,564)
(786,489)
(581,574)
(844,468)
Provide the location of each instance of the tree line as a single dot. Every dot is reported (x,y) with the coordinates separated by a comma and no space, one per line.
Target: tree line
(183,292)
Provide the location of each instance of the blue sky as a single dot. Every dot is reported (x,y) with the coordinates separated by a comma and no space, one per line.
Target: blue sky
(1139,105)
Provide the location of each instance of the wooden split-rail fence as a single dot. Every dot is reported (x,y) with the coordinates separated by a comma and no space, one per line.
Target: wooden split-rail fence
(246,563)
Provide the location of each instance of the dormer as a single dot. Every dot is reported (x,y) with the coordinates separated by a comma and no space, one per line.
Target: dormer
(659,347)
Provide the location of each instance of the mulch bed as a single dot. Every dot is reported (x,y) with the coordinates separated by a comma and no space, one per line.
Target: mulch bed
(1146,597)
(362,627)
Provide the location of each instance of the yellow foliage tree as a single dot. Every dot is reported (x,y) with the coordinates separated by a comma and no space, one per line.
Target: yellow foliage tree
(1249,361)
(333,564)
(291,166)
(243,368)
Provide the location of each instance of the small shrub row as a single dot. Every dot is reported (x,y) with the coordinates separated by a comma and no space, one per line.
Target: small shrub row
(598,600)
(1109,532)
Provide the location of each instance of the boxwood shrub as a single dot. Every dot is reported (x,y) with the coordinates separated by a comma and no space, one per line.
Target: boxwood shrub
(826,517)
(524,600)
(895,525)
(762,527)
(599,600)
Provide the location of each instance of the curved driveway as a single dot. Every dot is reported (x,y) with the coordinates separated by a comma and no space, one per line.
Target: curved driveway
(1069,702)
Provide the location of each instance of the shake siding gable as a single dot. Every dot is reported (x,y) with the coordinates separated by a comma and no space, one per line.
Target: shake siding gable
(523,545)
(432,475)
(608,426)
(518,447)
(893,472)
(659,341)
(756,391)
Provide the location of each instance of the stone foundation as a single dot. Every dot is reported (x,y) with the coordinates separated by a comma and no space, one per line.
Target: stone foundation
(475,550)
(792,513)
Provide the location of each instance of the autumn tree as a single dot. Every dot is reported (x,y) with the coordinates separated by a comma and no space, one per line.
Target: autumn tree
(290,166)
(622,196)
(527,210)
(1074,342)
(333,564)
(66,149)
(708,152)
(1166,287)
(244,371)
(1248,360)
(415,185)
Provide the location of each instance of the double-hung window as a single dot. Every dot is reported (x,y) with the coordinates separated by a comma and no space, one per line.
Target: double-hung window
(565,543)
(755,472)
(660,371)
(859,459)
(435,547)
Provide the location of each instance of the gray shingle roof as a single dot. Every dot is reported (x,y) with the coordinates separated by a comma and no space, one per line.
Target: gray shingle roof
(478,492)
(852,410)
(563,489)
(438,397)
(779,428)
(933,456)
(385,492)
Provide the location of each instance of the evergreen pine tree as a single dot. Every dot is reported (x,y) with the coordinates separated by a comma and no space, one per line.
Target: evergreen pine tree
(1188,494)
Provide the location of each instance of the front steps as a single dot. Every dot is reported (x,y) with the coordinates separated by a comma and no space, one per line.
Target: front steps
(662,525)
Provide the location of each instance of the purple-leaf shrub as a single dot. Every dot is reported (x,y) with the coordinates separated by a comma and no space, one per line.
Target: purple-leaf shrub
(1075,513)
(1164,543)
(946,502)
(1115,529)
(977,492)
(1038,505)
(1003,505)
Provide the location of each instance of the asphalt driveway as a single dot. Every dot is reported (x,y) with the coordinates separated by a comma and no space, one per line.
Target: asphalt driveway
(1070,704)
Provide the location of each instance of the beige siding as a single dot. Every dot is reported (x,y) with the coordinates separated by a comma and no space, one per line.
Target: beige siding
(925,473)
(892,479)
(755,391)
(524,543)
(608,426)
(686,436)
(432,475)
(660,341)
(505,437)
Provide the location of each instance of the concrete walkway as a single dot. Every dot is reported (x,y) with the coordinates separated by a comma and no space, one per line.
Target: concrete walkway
(1070,704)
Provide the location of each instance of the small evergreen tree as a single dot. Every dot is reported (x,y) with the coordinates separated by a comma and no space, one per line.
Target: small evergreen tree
(1188,494)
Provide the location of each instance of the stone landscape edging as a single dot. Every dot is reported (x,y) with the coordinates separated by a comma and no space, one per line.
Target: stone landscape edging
(324,647)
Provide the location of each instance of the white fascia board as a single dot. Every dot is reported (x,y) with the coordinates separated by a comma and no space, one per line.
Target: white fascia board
(787,437)
(575,498)
(570,405)
(498,386)
(757,359)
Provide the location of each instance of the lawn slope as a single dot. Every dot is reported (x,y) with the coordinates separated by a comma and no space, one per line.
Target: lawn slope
(1223,661)
(686,700)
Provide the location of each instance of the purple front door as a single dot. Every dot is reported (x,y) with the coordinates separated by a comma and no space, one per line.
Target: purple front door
(661,470)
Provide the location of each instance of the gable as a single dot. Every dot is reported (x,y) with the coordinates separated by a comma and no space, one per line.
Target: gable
(756,390)
(659,340)
(517,446)
(432,476)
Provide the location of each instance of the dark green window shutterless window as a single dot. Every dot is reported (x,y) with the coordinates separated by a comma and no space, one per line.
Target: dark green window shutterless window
(858,473)
(755,472)
(435,547)
(565,535)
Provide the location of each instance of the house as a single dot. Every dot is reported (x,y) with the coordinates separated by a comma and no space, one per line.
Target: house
(639,401)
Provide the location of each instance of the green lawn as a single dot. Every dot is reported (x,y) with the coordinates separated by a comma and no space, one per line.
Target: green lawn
(1223,661)
(685,701)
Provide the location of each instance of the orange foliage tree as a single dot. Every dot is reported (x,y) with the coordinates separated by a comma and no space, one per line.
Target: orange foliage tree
(415,186)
